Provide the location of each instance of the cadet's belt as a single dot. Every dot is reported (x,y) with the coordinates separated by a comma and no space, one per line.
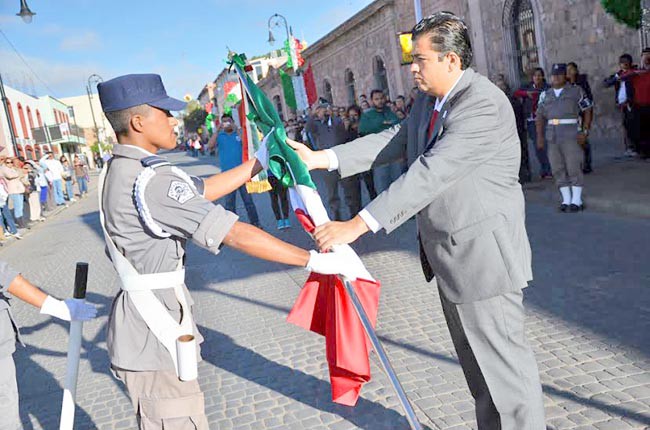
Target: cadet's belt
(557,121)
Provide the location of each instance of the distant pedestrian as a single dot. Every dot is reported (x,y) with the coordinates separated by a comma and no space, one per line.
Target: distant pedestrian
(558,112)
(623,93)
(81,174)
(529,97)
(279,202)
(55,168)
(68,178)
(230,153)
(376,120)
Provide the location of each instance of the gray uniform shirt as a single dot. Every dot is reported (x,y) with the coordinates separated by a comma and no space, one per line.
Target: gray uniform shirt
(131,345)
(568,105)
(8,327)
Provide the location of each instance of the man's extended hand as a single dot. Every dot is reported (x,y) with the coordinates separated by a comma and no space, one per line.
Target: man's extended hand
(336,233)
(313,159)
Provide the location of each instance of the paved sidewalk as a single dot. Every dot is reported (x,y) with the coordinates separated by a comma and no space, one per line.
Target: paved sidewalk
(589,325)
(618,185)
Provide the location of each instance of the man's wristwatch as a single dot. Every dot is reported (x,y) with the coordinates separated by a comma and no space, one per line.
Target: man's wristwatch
(585,131)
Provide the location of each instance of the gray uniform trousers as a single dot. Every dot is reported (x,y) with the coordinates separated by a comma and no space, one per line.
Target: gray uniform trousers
(566,156)
(498,363)
(9,415)
(162,401)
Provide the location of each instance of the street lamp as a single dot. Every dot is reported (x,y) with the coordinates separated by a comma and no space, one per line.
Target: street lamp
(277,17)
(25,13)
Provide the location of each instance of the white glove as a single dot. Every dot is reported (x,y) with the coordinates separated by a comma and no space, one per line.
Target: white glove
(70,309)
(262,153)
(336,263)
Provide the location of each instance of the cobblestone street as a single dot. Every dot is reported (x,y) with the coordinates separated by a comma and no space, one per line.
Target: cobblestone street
(589,323)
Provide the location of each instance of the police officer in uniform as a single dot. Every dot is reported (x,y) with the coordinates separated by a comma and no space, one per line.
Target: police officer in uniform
(557,119)
(148,210)
(11,281)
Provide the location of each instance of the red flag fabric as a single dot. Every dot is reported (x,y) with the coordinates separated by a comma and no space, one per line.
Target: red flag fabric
(324,307)
(310,86)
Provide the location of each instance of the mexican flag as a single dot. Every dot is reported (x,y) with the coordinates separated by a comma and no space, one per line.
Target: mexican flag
(323,305)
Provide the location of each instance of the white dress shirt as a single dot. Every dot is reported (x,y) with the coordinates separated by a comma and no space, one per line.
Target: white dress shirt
(370,221)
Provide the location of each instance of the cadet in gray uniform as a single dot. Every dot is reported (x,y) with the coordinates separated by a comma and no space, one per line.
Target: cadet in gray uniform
(558,111)
(149,209)
(11,281)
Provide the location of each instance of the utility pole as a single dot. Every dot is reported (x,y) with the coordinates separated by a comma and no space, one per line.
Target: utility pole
(12,133)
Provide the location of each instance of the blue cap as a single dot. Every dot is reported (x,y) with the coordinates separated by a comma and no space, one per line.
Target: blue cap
(559,69)
(127,91)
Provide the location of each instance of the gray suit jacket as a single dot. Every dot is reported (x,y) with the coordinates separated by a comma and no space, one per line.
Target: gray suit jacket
(463,186)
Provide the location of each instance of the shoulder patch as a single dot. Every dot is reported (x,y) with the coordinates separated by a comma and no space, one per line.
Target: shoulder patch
(180,191)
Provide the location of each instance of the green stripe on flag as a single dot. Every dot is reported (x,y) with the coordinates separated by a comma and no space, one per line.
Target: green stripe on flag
(283,160)
(287,87)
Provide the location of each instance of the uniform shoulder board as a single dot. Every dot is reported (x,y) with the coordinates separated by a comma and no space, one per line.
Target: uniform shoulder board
(154,161)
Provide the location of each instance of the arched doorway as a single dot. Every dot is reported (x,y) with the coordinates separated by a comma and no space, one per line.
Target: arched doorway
(381,77)
(519,18)
(349,85)
(327,91)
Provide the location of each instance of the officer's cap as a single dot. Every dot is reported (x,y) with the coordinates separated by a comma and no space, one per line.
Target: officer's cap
(559,69)
(127,91)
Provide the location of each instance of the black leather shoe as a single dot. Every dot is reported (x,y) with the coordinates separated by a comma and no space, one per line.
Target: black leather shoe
(576,208)
(563,207)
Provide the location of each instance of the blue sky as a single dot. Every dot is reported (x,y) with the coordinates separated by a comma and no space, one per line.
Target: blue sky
(185,41)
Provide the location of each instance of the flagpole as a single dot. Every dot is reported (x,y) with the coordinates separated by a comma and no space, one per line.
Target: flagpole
(379,350)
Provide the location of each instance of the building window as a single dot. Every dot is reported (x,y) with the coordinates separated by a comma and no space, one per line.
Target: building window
(278,106)
(38,118)
(381,78)
(349,85)
(327,91)
(258,72)
(525,41)
(23,124)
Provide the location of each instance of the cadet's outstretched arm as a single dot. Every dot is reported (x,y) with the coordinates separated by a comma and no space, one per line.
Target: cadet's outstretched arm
(224,183)
(257,243)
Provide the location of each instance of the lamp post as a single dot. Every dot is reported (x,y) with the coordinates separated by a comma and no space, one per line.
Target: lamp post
(417,4)
(277,17)
(25,13)
(96,79)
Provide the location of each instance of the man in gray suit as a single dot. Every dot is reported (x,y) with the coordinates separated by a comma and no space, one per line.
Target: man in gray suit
(463,153)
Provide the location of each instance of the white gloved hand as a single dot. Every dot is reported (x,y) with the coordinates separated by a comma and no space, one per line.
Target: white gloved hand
(262,153)
(343,263)
(70,309)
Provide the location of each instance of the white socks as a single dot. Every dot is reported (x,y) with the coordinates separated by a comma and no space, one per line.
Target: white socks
(577,196)
(566,195)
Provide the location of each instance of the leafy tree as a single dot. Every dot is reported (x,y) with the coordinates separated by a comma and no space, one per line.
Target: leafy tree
(194,120)
(627,12)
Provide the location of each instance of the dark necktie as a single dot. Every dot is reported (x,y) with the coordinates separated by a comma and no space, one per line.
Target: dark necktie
(432,124)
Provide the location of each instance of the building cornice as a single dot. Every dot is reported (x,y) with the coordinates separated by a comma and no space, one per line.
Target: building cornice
(348,25)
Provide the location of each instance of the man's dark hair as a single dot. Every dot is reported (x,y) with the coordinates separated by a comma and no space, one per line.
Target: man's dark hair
(625,57)
(573,64)
(363,95)
(226,115)
(400,97)
(376,91)
(447,33)
(120,119)
(645,50)
(355,108)
(540,70)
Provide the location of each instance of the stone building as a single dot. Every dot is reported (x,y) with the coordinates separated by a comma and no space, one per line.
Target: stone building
(509,37)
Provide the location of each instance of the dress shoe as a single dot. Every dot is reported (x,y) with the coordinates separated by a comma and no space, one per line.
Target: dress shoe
(564,207)
(576,208)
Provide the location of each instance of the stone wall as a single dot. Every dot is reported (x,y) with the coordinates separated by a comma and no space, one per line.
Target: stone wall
(577,30)
(567,30)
